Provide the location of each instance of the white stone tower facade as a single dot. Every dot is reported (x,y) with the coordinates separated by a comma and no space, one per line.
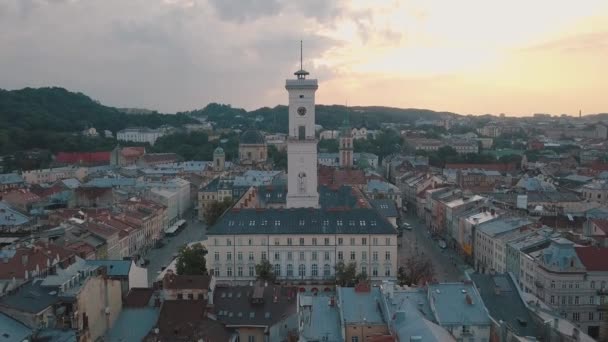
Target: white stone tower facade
(302,143)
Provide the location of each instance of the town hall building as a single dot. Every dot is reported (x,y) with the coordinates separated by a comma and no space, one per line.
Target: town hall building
(302,240)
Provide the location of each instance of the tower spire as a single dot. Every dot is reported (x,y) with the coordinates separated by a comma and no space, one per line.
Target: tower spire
(301,74)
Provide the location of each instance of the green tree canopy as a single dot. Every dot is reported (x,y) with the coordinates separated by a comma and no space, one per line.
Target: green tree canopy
(215,210)
(416,271)
(263,271)
(191,260)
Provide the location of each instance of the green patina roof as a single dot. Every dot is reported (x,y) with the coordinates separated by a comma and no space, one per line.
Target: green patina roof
(218,151)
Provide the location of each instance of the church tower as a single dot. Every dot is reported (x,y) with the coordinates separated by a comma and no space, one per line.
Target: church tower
(346,144)
(301,142)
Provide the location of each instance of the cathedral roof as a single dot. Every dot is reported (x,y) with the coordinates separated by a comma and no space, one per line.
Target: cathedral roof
(302,221)
(252,137)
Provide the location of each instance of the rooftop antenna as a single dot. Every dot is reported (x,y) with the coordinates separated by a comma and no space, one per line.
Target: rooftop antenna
(301,67)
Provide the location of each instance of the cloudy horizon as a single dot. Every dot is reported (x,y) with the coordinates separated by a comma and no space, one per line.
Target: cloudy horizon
(468,57)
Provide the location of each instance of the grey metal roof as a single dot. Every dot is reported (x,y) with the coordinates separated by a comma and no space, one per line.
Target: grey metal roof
(115,268)
(386,207)
(302,221)
(450,304)
(506,305)
(321,321)
(12,330)
(360,307)
(31,297)
(337,197)
(233,305)
(133,324)
(10,178)
(11,217)
(503,225)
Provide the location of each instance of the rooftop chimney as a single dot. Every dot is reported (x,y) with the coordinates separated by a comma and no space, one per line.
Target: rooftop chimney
(469,299)
(332,301)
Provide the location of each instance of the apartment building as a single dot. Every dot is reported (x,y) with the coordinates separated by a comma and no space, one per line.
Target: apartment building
(491,239)
(573,281)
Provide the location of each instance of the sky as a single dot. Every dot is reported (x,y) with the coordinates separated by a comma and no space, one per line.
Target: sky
(516,57)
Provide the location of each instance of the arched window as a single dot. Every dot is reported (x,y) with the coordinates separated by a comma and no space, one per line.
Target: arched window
(302,182)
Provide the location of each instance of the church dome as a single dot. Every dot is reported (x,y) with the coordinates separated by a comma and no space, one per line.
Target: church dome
(218,151)
(252,137)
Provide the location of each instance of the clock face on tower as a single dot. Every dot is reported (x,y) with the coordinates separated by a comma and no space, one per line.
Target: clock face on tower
(301,111)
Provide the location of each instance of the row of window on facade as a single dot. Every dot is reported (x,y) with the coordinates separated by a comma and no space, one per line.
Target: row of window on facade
(302,222)
(302,256)
(303,241)
(577,284)
(576,300)
(289,271)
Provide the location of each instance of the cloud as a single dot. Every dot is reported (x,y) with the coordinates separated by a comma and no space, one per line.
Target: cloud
(166,55)
(243,10)
(589,41)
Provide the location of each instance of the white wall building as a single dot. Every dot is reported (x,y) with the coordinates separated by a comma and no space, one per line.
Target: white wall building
(301,244)
(491,242)
(142,135)
(54,174)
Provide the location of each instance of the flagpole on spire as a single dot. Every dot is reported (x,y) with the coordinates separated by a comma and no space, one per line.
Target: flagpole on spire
(301,73)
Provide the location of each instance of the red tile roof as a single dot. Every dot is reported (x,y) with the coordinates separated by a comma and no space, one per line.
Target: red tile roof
(133,151)
(93,192)
(593,258)
(601,224)
(39,256)
(47,191)
(83,157)
(21,197)
(331,176)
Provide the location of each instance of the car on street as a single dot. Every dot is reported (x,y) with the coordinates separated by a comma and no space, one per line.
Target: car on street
(406,226)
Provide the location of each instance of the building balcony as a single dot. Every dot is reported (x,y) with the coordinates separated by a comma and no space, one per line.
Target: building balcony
(602,291)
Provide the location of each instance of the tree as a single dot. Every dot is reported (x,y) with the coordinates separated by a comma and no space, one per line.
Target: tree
(215,210)
(264,271)
(346,275)
(415,271)
(278,157)
(328,145)
(191,260)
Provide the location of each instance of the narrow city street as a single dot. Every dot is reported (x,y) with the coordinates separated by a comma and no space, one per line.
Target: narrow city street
(418,243)
(161,257)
